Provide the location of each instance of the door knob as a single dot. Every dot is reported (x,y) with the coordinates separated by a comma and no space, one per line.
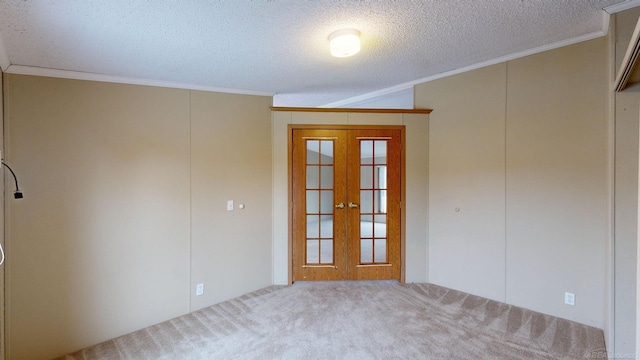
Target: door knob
(340,206)
(353,205)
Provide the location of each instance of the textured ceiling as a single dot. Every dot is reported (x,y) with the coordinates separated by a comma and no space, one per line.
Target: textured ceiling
(280,46)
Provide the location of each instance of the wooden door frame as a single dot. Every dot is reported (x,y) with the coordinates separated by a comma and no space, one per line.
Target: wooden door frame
(290,129)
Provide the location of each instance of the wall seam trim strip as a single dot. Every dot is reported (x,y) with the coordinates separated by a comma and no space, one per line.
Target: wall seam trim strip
(189,146)
(506,102)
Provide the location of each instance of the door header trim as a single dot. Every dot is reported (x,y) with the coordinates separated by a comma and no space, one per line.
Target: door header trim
(344,127)
(353,110)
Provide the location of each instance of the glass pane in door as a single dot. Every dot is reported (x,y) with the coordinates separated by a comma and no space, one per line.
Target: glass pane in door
(373,202)
(319,179)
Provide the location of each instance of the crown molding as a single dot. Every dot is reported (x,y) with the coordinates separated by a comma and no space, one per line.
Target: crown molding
(625,5)
(76,75)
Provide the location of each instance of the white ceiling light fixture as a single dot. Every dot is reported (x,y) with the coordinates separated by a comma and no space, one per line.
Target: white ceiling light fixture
(344,43)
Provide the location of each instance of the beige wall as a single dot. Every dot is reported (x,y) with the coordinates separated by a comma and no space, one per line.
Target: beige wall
(523,155)
(467,181)
(417,132)
(121,202)
(230,160)
(557,191)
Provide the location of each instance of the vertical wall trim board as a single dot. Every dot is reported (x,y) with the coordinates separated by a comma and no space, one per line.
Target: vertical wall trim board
(609,329)
(506,193)
(273,223)
(2,233)
(623,327)
(6,128)
(190,279)
(637,345)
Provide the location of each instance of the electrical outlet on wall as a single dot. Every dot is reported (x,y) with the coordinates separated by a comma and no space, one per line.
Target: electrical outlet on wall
(569,298)
(199,289)
(229,205)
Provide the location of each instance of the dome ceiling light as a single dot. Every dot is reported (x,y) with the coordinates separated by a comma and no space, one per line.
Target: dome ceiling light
(344,43)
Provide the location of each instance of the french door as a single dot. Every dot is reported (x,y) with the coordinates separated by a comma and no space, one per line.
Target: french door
(346,195)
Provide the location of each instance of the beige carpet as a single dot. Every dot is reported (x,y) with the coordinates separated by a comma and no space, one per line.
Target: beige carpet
(357,320)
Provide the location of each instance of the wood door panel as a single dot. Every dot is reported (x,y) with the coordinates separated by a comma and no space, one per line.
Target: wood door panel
(303,269)
(381,208)
(390,269)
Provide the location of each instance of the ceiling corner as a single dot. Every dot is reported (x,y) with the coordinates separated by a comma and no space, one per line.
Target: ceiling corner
(4,56)
(370,95)
(606,22)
